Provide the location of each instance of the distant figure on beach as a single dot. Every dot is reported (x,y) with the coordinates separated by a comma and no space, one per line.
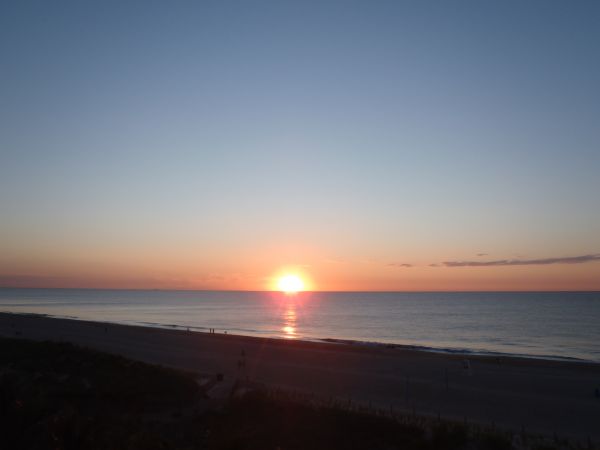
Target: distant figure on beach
(467,366)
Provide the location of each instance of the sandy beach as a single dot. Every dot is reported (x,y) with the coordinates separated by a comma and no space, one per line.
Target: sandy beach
(542,396)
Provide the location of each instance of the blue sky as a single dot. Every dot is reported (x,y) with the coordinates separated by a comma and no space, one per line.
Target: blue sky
(413,132)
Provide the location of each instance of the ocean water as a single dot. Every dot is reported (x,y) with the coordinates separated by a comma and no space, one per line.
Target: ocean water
(541,324)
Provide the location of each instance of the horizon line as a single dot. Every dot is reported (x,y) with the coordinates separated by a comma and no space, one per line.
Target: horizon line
(307,291)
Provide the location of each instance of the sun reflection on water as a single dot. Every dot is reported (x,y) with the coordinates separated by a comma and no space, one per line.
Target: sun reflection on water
(289,321)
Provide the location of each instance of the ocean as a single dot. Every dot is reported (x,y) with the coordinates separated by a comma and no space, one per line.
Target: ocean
(561,325)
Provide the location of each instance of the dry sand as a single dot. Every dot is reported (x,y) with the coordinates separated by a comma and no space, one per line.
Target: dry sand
(540,395)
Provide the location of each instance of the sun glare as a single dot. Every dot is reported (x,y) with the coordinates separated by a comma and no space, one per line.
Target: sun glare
(290,284)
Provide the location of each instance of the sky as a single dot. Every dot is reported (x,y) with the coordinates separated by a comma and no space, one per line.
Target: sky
(366,145)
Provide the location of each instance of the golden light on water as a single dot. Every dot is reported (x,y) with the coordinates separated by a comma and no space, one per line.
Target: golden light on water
(290,281)
(289,321)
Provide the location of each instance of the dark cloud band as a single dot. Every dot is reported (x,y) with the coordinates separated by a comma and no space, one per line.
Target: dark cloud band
(524,262)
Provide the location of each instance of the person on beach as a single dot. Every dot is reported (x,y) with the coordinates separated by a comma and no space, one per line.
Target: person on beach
(467,366)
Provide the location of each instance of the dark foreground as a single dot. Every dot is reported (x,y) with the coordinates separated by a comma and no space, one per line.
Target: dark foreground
(60,396)
(539,396)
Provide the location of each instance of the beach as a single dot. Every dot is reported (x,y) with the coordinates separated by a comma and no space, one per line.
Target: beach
(540,396)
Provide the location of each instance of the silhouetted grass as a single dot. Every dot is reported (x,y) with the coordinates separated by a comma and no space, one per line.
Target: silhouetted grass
(59,396)
(258,421)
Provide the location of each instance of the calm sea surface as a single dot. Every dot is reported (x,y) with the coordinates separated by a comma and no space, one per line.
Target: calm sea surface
(549,324)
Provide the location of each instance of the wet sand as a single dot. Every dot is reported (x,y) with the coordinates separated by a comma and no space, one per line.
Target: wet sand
(542,396)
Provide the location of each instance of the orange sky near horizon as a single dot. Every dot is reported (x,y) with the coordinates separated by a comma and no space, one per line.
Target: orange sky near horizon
(259,271)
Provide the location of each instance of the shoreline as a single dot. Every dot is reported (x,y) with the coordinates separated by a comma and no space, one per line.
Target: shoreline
(464,352)
(558,326)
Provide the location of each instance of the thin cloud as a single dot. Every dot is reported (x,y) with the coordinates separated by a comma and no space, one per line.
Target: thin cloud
(399,265)
(29,281)
(525,262)
(41,281)
(482,254)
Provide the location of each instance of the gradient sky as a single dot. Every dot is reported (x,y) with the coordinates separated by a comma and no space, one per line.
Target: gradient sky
(372,145)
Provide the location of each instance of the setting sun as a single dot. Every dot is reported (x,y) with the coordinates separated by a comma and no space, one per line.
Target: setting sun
(290,284)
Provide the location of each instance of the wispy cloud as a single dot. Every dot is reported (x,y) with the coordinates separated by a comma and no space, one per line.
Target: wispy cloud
(482,254)
(29,280)
(525,262)
(399,265)
(42,281)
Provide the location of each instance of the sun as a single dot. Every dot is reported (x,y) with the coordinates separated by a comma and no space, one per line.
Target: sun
(290,284)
